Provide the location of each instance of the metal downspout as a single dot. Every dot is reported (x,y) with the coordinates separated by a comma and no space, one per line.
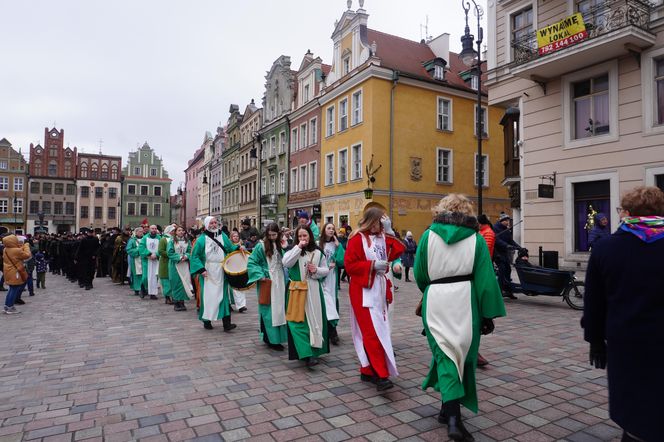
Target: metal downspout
(395,79)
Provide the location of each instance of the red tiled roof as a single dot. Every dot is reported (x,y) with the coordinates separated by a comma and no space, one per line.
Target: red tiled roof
(326,68)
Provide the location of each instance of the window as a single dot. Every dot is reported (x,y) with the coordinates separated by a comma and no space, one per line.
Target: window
(263,186)
(293,180)
(346,65)
(474,82)
(303,136)
(98,212)
(46,207)
(4,207)
(273,146)
(99,192)
(104,171)
(343,114)
(71,189)
(58,189)
(306,93)
(156,210)
(131,209)
(94,171)
(591,107)
(68,169)
(84,212)
(137,170)
(57,208)
(18,184)
(46,188)
(444,120)
(595,13)
(85,191)
(144,190)
(313,131)
(131,189)
(485,171)
(523,35)
(112,193)
(84,170)
(34,187)
(34,207)
(69,208)
(18,205)
(438,73)
(329,119)
(343,166)
(329,169)
(282,142)
(443,166)
(589,196)
(356,116)
(356,152)
(313,175)
(485,128)
(273,185)
(52,169)
(143,209)
(302,183)
(293,140)
(282,182)
(111,213)
(3,164)
(114,172)
(263,151)
(53,152)
(37,168)
(153,171)
(157,190)
(4,183)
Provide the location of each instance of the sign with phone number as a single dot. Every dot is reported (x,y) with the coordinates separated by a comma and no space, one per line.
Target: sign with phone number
(567,41)
(566,32)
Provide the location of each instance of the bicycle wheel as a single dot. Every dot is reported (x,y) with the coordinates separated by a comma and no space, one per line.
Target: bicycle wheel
(574,294)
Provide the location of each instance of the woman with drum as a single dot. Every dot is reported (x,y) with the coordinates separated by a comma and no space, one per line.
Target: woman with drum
(305,312)
(334,254)
(238,299)
(266,269)
(178,250)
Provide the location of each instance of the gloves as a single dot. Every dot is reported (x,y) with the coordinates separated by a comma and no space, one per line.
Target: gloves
(380,266)
(387,225)
(487,326)
(597,354)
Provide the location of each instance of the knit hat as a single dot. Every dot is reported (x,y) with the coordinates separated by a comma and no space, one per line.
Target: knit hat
(303,214)
(503,216)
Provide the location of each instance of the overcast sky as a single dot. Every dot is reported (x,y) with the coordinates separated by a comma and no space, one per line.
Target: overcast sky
(166,71)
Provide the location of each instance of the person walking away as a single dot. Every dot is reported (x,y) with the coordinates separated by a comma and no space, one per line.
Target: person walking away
(370,250)
(136,262)
(460,300)
(148,249)
(86,257)
(162,250)
(265,267)
(178,250)
(41,265)
(305,312)
(622,313)
(334,255)
(206,258)
(503,246)
(30,268)
(239,299)
(600,229)
(408,257)
(13,269)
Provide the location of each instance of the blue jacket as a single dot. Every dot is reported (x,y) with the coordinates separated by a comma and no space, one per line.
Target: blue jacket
(598,231)
(504,240)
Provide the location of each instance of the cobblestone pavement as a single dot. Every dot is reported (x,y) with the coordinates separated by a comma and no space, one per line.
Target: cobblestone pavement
(105,365)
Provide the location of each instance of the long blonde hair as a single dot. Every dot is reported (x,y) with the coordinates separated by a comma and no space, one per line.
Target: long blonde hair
(371,216)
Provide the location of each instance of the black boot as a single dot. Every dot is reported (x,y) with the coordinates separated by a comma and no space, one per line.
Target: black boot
(168,300)
(334,336)
(383,384)
(207,325)
(455,429)
(442,416)
(226,321)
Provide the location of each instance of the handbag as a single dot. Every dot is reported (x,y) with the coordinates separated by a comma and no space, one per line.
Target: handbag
(297,300)
(265,292)
(21,273)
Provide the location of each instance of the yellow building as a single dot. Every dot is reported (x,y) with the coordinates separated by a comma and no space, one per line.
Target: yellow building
(405,110)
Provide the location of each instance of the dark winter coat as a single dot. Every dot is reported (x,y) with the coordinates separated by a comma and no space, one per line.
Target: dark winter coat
(598,231)
(40,261)
(408,257)
(504,241)
(625,308)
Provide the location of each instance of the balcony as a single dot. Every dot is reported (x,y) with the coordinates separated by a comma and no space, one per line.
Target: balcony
(615,28)
(269,200)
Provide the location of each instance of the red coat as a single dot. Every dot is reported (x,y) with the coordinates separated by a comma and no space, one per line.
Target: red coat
(489,236)
(360,270)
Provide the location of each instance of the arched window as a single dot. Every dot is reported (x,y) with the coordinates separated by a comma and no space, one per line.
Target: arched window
(114,172)
(52,168)
(104,171)
(68,169)
(93,171)
(84,170)
(37,168)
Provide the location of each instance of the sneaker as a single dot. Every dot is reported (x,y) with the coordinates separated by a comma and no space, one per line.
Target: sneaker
(242,309)
(11,310)
(230,327)
(368,378)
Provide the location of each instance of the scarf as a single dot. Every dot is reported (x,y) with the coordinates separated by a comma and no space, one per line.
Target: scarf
(647,228)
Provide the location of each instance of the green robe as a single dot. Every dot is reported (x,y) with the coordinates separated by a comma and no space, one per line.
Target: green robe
(197,266)
(177,289)
(132,252)
(315,230)
(144,252)
(163,265)
(257,268)
(486,302)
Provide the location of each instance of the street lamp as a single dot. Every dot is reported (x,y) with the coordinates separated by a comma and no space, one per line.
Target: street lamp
(472,58)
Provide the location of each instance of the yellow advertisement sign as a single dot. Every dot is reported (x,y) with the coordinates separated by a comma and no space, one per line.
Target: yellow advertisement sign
(566,32)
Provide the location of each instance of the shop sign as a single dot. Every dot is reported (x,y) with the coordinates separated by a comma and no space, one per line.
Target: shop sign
(566,32)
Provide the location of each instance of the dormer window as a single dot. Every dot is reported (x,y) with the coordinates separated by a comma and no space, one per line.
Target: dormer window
(473,82)
(306,93)
(439,73)
(436,68)
(346,65)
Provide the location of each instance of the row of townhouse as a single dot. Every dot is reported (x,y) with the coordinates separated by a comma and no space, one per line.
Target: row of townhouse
(389,123)
(63,190)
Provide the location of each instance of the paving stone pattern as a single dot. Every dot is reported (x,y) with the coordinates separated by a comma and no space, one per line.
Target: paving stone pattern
(105,365)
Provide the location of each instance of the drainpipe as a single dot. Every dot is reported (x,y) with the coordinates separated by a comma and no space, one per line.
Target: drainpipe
(395,79)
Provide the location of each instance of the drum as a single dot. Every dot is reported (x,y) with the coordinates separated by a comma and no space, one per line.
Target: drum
(235,268)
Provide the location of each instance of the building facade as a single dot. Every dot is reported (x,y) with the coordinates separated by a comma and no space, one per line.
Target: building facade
(204,178)
(146,189)
(230,176)
(251,123)
(304,172)
(398,121)
(216,164)
(52,185)
(192,186)
(99,188)
(274,135)
(13,188)
(586,118)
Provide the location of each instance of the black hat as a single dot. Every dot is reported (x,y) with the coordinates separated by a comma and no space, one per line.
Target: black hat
(85,230)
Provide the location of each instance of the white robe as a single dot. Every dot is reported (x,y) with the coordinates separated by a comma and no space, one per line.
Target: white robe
(213,286)
(278,289)
(330,284)
(153,266)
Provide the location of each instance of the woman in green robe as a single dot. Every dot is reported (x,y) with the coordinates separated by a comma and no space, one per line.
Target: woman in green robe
(265,264)
(461,297)
(334,255)
(178,251)
(135,261)
(162,251)
(305,312)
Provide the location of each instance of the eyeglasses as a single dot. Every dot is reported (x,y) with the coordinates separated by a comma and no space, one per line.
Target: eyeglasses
(619,210)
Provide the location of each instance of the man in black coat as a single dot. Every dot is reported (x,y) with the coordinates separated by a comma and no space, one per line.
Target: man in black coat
(623,311)
(86,257)
(501,253)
